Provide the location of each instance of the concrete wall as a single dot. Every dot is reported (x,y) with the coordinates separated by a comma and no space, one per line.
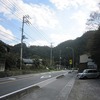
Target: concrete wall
(84,58)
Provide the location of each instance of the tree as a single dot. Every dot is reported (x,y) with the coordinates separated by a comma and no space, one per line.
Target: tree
(11,61)
(94,20)
(95,47)
(36,63)
(94,44)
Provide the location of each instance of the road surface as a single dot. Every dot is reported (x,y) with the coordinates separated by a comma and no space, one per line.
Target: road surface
(11,84)
(58,89)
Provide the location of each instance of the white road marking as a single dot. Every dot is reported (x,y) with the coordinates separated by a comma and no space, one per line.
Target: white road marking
(11,78)
(46,76)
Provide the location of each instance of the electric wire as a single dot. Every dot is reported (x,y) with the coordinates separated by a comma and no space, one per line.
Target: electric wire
(16,28)
(20,19)
(9,35)
(32,25)
(35,27)
(6,38)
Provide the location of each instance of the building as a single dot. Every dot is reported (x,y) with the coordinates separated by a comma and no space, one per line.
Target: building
(86,62)
(28,62)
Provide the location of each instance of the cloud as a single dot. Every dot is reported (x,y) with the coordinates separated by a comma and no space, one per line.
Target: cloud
(58,38)
(63,4)
(81,10)
(41,15)
(80,17)
(49,19)
(6,34)
(44,17)
(39,42)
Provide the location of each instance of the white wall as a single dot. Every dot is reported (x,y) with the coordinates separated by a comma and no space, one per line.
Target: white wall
(84,58)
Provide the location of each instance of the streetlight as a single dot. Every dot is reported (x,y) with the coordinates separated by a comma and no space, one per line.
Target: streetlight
(51,56)
(72,54)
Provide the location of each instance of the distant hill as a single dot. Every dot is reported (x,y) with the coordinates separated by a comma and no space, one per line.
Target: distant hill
(79,45)
(32,51)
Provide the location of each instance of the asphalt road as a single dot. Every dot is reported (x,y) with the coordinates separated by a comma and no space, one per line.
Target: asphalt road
(58,89)
(11,84)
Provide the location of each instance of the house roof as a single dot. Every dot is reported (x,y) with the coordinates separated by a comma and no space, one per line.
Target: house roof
(28,61)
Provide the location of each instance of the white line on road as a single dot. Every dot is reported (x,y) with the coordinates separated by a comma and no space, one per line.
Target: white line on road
(46,76)
(11,78)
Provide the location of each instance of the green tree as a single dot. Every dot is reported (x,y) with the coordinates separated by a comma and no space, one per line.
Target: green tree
(95,47)
(94,20)
(11,61)
(36,63)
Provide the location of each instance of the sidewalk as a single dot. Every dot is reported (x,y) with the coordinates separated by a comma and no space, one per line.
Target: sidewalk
(88,89)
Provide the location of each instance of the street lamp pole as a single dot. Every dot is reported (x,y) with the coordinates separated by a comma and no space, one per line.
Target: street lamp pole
(72,54)
(51,56)
(60,59)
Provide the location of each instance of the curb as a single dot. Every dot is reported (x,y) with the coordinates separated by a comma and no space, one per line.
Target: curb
(60,76)
(17,94)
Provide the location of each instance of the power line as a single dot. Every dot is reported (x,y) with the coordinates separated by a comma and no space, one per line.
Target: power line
(31,37)
(32,25)
(8,8)
(35,27)
(19,30)
(7,38)
(9,35)
(41,33)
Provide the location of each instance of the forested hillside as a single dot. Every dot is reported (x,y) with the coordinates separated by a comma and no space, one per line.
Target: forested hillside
(80,46)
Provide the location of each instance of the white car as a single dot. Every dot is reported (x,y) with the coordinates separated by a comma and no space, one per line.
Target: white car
(89,73)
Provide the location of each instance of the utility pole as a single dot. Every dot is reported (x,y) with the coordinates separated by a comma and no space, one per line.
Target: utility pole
(25,20)
(60,59)
(51,56)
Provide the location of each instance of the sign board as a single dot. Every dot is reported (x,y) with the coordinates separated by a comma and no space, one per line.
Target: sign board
(70,61)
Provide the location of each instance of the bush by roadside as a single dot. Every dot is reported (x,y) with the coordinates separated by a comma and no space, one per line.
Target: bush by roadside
(20,72)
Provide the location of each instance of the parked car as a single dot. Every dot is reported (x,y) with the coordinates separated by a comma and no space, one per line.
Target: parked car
(89,73)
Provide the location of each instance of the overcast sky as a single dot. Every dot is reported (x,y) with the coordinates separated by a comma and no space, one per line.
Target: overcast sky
(52,21)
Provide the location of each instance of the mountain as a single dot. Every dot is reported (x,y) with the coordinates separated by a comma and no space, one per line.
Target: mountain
(79,45)
(32,51)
